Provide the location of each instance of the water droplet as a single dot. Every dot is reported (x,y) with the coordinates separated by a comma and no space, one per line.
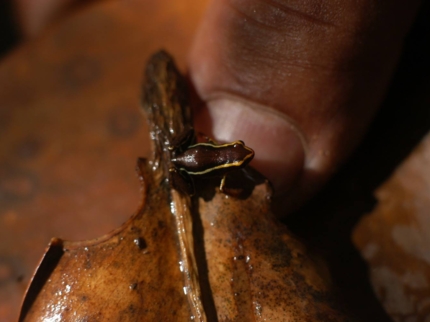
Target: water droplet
(172,208)
(258,309)
(140,242)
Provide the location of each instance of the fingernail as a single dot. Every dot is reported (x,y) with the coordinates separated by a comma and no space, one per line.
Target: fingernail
(279,149)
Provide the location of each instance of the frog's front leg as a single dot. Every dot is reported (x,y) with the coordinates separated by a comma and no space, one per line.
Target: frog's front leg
(222,184)
(233,192)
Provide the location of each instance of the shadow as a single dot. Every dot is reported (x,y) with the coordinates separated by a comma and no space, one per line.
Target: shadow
(8,28)
(202,264)
(239,184)
(46,267)
(327,221)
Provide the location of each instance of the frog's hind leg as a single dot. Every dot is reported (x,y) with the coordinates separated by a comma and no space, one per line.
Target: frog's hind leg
(181,181)
(183,140)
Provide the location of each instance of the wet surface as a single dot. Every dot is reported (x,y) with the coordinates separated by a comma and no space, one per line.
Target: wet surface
(71,129)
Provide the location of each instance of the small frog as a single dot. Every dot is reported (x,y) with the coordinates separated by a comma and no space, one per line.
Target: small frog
(204,159)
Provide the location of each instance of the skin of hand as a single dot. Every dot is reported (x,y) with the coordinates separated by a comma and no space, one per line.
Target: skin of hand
(298,81)
(34,15)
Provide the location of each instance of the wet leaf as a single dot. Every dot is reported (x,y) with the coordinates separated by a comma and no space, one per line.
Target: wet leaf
(212,257)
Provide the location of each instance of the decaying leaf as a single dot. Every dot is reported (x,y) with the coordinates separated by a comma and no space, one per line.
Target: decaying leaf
(212,257)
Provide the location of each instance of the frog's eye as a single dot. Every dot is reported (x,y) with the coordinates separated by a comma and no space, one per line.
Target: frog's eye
(238,143)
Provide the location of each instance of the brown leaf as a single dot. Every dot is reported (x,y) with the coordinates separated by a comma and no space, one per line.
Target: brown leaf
(213,257)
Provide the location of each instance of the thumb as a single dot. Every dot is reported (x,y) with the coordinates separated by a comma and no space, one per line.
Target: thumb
(299,82)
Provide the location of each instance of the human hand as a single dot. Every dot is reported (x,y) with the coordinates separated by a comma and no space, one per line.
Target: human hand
(298,81)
